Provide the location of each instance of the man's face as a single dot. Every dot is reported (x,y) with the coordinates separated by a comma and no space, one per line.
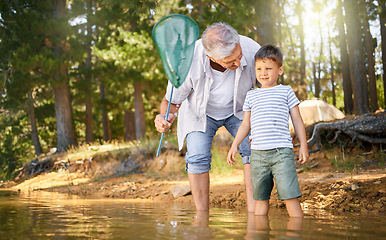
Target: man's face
(231,62)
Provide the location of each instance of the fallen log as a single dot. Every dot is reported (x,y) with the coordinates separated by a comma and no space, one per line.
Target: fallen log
(34,168)
(368,128)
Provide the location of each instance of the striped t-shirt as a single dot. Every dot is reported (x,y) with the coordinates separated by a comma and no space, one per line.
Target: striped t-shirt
(269,109)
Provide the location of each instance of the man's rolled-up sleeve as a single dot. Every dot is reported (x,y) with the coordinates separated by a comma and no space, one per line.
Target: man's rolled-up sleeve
(180,93)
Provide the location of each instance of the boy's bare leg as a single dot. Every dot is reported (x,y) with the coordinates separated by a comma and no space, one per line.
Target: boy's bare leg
(262,224)
(199,184)
(294,225)
(293,207)
(248,187)
(261,208)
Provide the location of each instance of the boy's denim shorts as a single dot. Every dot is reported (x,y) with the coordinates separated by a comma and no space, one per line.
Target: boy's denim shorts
(198,157)
(278,164)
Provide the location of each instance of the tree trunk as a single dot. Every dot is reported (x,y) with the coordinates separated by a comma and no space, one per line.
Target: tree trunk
(280,79)
(89,122)
(105,118)
(266,31)
(382,18)
(347,89)
(63,110)
(129,126)
(371,64)
(89,118)
(299,10)
(332,70)
(356,56)
(316,81)
(34,129)
(319,69)
(139,111)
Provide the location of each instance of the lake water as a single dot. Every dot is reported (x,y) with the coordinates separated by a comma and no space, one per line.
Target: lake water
(44,215)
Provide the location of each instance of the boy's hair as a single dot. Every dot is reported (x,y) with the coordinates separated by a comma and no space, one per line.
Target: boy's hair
(270,52)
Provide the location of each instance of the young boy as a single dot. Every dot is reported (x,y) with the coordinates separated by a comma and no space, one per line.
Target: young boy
(266,113)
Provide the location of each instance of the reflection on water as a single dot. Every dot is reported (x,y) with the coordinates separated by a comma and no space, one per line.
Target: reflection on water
(42,215)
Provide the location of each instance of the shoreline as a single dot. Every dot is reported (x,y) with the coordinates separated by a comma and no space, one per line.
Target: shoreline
(364,192)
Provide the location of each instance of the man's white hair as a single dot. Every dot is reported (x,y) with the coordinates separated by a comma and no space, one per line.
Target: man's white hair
(219,40)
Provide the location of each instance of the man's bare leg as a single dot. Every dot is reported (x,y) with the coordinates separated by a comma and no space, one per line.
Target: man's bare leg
(248,186)
(199,184)
(201,219)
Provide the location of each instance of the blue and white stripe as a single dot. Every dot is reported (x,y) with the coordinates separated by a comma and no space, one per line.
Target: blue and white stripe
(269,116)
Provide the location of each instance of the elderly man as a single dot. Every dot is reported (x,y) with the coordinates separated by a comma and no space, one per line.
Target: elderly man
(212,96)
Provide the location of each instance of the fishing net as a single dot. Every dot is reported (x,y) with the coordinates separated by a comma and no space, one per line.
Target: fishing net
(175,36)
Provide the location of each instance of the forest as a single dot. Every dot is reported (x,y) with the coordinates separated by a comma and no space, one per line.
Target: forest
(82,72)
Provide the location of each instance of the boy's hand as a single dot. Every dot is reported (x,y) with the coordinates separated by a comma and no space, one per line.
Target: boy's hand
(231,156)
(303,154)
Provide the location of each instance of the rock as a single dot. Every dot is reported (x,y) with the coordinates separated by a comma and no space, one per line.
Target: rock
(382,199)
(364,210)
(306,192)
(372,194)
(378,205)
(180,190)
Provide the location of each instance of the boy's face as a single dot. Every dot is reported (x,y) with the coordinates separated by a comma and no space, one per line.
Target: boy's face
(267,72)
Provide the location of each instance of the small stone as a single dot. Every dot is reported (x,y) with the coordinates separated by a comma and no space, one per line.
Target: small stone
(382,199)
(378,205)
(364,210)
(306,192)
(180,190)
(354,187)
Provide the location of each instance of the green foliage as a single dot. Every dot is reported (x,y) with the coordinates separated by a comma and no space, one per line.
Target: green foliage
(380,92)
(129,51)
(15,142)
(128,57)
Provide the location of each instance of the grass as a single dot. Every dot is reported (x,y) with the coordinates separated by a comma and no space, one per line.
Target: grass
(86,150)
(353,160)
(220,164)
(346,163)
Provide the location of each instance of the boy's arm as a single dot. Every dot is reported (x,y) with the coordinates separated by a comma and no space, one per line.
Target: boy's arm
(242,133)
(298,124)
